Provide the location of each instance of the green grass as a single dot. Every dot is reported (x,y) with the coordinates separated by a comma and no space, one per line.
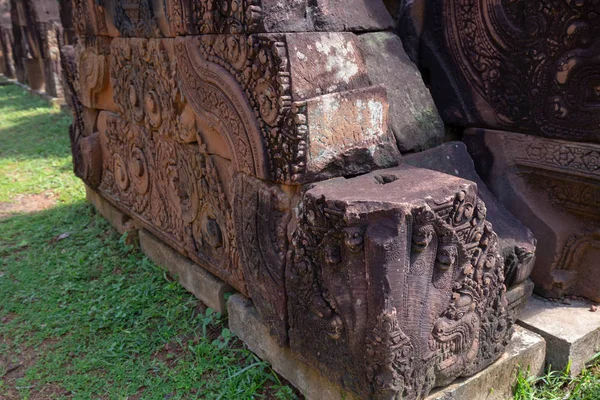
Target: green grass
(559,385)
(87,316)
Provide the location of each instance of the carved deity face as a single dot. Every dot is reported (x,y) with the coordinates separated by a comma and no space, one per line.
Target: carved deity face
(422,236)
(354,238)
(332,255)
(446,257)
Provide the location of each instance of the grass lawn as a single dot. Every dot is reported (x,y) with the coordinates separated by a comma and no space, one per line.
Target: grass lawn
(82,315)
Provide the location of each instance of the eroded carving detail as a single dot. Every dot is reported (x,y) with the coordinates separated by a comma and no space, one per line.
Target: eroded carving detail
(176,189)
(259,66)
(443,271)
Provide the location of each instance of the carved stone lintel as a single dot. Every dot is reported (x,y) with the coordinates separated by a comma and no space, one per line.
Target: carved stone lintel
(523,66)
(553,186)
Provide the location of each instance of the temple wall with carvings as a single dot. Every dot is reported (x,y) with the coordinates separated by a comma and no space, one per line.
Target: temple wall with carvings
(366,172)
(523,79)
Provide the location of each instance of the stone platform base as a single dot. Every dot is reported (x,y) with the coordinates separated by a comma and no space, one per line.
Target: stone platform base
(526,350)
(571,331)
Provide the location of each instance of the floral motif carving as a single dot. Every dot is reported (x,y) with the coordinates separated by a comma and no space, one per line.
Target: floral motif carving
(176,189)
(524,66)
(213,16)
(262,124)
(143,81)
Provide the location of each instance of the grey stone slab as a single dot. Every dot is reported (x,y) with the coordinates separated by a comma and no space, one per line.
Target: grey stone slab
(526,350)
(496,382)
(571,331)
(116,217)
(245,322)
(201,283)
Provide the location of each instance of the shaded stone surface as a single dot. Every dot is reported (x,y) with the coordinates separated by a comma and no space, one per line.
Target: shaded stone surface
(246,323)
(517,243)
(522,66)
(525,350)
(552,186)
(117,218)
(206,287)
(414,120)
(35,30)
(170,18)
(571,331)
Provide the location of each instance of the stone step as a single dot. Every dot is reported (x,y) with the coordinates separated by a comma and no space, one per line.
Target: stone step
(571,331)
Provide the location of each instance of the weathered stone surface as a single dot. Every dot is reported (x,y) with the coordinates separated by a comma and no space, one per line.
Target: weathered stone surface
(118,219)
(526,351)
(571,331)
(553,187)
(35,26)
(348,134)
(216,135)
(170,18)
(322,63)
(205,286)
(247,324)
(384,269)
(7,67)
(521,66)
(517,243)
(414,120)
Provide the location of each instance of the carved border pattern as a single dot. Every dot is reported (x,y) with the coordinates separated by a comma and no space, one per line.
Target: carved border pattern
(260,66)
(534,62)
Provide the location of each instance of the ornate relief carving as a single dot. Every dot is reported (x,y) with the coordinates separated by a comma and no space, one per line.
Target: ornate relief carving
(212,16)
(430,274)
(266,130)
(135,18)
(525,66)
(93,78)
(177,190)
(262,214)
(144,84)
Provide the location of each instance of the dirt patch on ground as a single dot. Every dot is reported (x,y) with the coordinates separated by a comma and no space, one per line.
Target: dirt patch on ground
(27,203)
(13,367)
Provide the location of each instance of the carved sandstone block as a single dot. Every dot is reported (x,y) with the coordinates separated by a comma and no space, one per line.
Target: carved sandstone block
(553,186)
(517,243)
(171,18)
(527,66)
(395,282)
(242,88)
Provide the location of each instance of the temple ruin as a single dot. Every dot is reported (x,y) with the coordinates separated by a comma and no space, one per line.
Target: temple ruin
(375,176)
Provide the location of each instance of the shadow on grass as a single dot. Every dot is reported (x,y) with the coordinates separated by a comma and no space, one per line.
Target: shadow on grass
(30,127)
(99,319)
